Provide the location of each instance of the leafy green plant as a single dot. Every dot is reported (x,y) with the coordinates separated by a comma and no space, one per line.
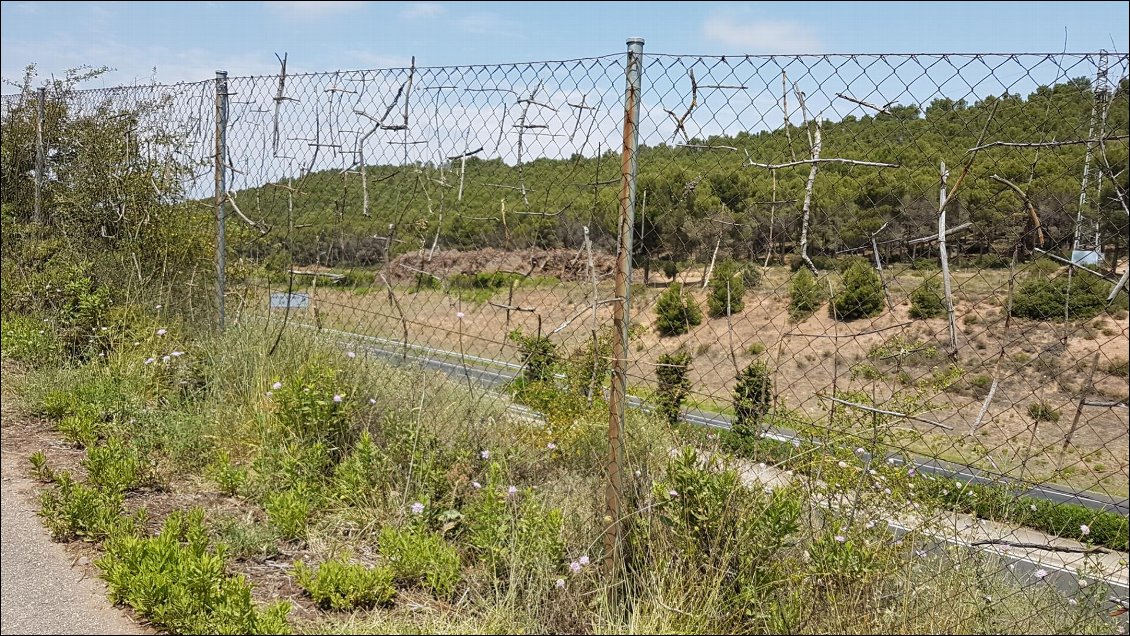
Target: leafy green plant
(72,510)
(805,295)
(673,384)
(1040,298)
(82,429)
(40,468)
(862,294)
(289,512)
(177,582)
(539,356)
(1042,412)
(926,301)
(28,340)
(753,395)
(312,406)
(229,477)
(727,290)
(676,311)
(419,557)
(116,466)
(341,585)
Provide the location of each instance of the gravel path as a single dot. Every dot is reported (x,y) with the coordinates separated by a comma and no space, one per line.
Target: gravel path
(41,592)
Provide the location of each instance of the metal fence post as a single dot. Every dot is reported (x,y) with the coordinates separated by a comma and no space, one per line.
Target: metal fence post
(221,187)
(620,316)
(40,153)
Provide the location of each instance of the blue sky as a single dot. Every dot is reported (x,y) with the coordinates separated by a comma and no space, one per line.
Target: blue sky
(188,41)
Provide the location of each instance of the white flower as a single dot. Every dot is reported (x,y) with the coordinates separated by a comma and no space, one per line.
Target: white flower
(842,464)
(476,485)
(350,354)
(165,358)
(162,331)
(513,490)
(1041,574)
(176,354)
(150,360)
(417,508)
(372,400)
(559,584)
(485,454)
(840,538)
(1032,507)
(1072,602)
(337,398)
(575,567)
(1082,582)
(1085,529)
(886,491)
(459,315)
(584,560)
(134,344)
(158,306)
(672,493)
(859,451)
(276,386)
(551,446)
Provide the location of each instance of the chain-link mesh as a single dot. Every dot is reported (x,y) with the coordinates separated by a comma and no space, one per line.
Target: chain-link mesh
(907,263)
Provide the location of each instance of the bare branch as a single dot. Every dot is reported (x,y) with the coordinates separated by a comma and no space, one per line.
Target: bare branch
(880,109)
(1048,144)
(871,409)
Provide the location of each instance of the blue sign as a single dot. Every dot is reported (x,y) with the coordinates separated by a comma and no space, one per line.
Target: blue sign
(282,300)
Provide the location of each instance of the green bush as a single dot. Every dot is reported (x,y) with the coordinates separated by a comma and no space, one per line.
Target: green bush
(539,356)
(676,312)
(1040,298)
(419,557)
(229,477)
(862,295)
(72,510)
(716,303)
(176,582)
(116,466)
(340,585)
(28,340)
(805,295)
(926,301)
(1043,412)
(82,430)
(673,385)
(753,396)
(289,512)
(670,269)
(312,406)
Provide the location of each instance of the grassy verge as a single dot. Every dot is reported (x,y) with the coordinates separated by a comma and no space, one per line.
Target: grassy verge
(417,506)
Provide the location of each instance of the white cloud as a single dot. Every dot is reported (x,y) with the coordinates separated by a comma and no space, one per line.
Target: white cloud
(312,10)
(420,10)
(761,36)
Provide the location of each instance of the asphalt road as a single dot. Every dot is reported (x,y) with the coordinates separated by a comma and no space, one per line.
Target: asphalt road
(496,374)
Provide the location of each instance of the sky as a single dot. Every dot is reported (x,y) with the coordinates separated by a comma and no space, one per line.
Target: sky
(170,42)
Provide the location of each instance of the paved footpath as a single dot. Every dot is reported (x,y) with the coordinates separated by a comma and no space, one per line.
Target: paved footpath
(42,593)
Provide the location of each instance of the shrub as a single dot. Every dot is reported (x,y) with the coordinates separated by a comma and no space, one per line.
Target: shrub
(40,468)
(1040,298)
(673,384)
(805,295)
(229,477)
(927,301)
(755,349)
(306,406)
(670,269)
(419,557)
(426,281)
(539,356)
(340,585)
(116,466)
(753,395)
(179,584)
(28,340)
(289,511)
(676,312)
(81,430)
(727,290)
(1043,412)
(862,295)
(73,510)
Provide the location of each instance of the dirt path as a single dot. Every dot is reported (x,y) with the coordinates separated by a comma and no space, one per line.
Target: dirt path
(45,588)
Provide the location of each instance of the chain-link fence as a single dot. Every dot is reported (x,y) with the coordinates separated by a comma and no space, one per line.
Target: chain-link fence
(906,261)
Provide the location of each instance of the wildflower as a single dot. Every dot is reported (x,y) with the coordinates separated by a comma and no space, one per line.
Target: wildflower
(575,567)
(513,490)
(1032,507)
(840,538)
(584,560)
(1041,574)
(1082,582)
(842,464)
(476,485)
(886,491)
(417,508)
(162,331)
(485,454)
(150,360)
(910,472)
(136,343)
(165,358)
(372,400)
(859,451)
(350,355)
(459,315)
(872,472)
(337,398)
(672,493)
(176,354)
(276,386)
(1085,529)
(1072,602)
(560,584)
(158,306)
(551,446)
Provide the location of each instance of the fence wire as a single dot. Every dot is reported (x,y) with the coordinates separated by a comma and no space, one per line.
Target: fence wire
(897,262)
